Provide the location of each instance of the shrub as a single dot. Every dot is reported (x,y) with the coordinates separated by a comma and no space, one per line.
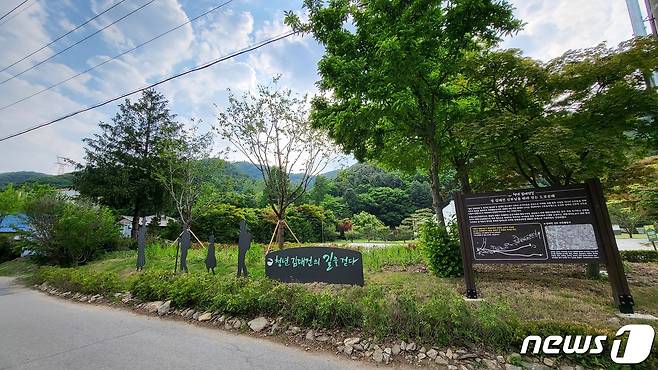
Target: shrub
(69,233)
(639,256)
(441,250)
(367,226)
(222,220)
(77,280)
(8,250)
(311,223)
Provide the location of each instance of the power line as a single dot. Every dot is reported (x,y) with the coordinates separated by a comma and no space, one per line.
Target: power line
(18,12)
(62,36)
(11,11)
(78,42)
(115,57)
(195,69)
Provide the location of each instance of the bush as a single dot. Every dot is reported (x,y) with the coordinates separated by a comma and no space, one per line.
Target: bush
(77,280)
(69,233)
(8,250)
(441,250)
(222,221)
(311,223)
(639,256)
(367,226)
(169,232)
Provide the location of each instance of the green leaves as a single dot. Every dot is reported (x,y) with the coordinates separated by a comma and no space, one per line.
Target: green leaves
(441,250)
(123,159)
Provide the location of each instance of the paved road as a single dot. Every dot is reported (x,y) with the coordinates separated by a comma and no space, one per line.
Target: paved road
(641,244)
(42,332)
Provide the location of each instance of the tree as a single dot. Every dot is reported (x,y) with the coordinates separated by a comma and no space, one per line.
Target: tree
(321,187)
(271,129)
(69,233)
(389,205)
(638,184)
(11,201)
(414,221)
(123,160)
(185,169)
(420,194)
(582,115)
(392,74)
(367,226)
(337,205)
(626,215)
(343,226)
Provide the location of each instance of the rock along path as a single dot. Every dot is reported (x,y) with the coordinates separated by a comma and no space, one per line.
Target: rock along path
(38,331)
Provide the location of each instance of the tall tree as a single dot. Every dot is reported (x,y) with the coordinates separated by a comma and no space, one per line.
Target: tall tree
(11,200)
(186,168)
(271,129)
(122,161)
(392,74)
(582,115)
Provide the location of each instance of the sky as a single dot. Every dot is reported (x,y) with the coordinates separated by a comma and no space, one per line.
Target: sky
(551,28)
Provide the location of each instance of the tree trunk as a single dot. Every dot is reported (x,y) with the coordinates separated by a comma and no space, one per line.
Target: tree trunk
(280,235)
(437,200)
(593,270)
(464,180)
(135,223)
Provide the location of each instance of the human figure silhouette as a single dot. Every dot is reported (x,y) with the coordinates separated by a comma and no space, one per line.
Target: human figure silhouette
(244,242)
(184,246)
(141,243)
(211,261)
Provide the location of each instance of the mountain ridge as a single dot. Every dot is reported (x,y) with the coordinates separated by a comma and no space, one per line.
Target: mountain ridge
(18,178)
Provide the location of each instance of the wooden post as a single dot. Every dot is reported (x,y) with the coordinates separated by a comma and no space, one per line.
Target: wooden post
(467,253)
(621,293)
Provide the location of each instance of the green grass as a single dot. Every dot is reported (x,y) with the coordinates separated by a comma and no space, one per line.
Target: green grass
(624,235)
(163,257)
(17,267)
(387,242)
(535,292)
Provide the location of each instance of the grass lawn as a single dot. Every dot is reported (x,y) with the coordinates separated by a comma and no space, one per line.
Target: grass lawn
(533,292)
(635,236)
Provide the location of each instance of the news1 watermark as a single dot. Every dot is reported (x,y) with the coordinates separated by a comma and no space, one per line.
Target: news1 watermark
(637,348)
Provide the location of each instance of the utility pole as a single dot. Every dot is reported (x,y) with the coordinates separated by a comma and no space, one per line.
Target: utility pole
(635,14)
(652,11)
(637,22)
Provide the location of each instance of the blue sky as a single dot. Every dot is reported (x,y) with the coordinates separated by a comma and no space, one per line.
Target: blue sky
(552,27)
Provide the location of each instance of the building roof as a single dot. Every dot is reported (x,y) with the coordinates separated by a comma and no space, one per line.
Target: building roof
(164,220)
(14,223)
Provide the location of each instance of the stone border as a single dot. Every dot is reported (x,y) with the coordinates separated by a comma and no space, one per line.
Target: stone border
(352,345)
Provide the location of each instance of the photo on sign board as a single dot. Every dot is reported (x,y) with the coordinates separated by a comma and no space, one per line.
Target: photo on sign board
(571,237)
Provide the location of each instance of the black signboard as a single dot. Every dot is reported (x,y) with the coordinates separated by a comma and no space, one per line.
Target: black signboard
(315,264)
(567,224)
(532,226)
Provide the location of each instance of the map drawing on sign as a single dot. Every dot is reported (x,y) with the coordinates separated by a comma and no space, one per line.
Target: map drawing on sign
(514,241)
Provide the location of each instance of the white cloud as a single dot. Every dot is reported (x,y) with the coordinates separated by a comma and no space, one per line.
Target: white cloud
(553,27)
(25,34)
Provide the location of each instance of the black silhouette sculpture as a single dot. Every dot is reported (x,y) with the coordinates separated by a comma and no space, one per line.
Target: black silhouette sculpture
(184,246)
(141,243)
(211,261)
(244,242)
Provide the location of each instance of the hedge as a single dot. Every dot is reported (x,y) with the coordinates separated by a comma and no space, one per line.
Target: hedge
(639,256)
